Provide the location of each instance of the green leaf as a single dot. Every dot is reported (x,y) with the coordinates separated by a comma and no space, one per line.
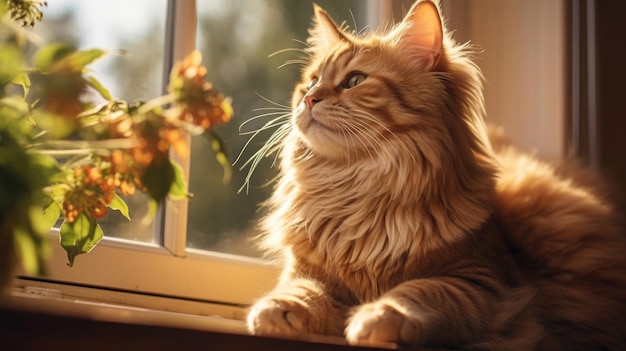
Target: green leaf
(120,205)
(56,126)
(36,228)
(22,80)
(11,63)
(158,179)
(97,86)
(25,246)
(46,167)
(80,59)
(153,208)
(80,237)
(47,55)
(178,190)
(218,146)
(50,215)
(63,56)
(15,103)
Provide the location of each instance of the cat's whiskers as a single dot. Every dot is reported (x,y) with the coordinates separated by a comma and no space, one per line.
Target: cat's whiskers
(274,142)
(348,128)
(282,126)
(278,121)
(302,60)
(286,108)
(344,134)
(271,146)
(265,126)
(371,118)
(383,147)
(375,137)
(282,51)
(360,131)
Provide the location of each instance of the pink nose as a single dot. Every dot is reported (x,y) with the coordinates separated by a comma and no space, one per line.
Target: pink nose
(310,101)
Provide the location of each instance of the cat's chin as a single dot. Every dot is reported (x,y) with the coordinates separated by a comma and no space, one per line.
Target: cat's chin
(316,135)
(320,144)
(306,123)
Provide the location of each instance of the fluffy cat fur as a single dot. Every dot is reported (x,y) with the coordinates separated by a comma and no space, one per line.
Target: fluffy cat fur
(401,219)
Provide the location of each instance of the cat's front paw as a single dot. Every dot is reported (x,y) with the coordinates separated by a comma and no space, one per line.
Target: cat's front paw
(279,317)
(376,323)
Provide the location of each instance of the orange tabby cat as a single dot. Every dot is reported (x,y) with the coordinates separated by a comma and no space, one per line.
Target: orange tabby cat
(400,221)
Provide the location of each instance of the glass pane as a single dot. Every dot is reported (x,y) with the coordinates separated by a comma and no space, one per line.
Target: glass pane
(133,34)
(236,38)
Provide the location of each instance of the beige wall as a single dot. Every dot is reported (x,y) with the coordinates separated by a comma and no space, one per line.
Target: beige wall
(524,62)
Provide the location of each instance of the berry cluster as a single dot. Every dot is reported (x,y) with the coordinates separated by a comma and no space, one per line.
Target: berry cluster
(92,189)
(197,102)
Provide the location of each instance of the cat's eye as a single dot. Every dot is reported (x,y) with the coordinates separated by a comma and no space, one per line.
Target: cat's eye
(354,79)
(312,83)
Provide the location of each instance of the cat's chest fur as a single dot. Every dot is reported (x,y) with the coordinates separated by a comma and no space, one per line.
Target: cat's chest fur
(351,219)
(481,253)
(366,226)
(353,229)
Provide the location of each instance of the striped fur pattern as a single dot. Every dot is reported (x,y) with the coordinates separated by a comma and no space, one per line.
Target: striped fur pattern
(400,219)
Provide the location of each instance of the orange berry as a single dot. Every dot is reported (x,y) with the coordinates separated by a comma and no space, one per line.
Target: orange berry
(95,174)
(127,188)
(99,210)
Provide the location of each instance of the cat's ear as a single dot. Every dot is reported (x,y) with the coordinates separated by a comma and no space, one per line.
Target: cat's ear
(420,33)
(325,33)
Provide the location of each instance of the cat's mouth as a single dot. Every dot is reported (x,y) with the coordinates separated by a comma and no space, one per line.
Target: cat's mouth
(315,122)
(306,119)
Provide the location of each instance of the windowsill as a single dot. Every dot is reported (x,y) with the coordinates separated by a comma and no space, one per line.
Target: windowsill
(29,322)
(109,312)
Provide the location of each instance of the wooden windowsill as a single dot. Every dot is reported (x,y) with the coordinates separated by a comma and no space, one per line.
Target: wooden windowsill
(42,323)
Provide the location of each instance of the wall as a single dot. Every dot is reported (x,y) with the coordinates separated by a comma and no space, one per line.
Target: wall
(524,63)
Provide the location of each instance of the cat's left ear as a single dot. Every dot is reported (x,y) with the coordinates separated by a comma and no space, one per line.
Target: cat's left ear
(420,33)
(325,33)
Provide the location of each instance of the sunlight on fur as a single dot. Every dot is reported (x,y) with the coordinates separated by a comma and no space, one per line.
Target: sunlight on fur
(401,218)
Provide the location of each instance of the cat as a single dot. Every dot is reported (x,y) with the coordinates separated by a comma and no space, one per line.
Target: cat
(401,218)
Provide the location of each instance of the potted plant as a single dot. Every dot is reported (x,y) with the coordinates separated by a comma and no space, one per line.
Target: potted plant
(63,158)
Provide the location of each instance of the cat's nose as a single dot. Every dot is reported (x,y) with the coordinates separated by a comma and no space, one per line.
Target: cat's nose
(311,100)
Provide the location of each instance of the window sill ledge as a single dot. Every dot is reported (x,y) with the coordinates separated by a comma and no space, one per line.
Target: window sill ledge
(44,323)
(110,312)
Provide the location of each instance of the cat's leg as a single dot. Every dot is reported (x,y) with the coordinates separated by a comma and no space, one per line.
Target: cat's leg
(298,306)
(434,311)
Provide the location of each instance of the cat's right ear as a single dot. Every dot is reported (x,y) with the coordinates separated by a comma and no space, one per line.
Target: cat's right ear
(324,33)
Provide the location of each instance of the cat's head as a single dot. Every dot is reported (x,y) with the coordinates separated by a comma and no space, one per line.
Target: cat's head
(411,90)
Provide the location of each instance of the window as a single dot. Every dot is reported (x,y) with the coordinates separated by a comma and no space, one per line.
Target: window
(200,251)
(134,39)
